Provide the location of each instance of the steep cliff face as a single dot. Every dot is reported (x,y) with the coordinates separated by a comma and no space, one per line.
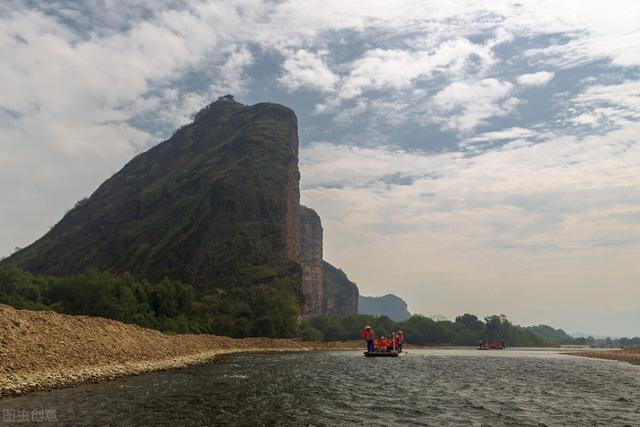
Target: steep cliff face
(292,219)
(340,293)
(216,206)
(311,261)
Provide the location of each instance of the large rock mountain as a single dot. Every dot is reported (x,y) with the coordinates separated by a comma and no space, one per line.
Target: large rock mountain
(388,305)
(220,196)
(216,206)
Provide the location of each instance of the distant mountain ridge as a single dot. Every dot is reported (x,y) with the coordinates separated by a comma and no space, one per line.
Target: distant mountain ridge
(388,305)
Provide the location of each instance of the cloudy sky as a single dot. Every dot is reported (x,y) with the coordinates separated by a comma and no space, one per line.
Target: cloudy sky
(468,156)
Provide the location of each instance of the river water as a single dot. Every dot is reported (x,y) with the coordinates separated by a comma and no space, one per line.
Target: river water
(427,387)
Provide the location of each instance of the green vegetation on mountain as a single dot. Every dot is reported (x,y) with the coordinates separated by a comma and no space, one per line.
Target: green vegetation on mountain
(557,335)
(214,207)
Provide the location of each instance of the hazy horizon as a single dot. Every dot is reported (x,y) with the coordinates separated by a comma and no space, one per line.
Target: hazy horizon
(465,156)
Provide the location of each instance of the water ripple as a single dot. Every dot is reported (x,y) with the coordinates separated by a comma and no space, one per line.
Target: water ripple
(438,387)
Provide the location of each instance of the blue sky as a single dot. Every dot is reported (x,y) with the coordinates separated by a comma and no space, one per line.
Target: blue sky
(468,156)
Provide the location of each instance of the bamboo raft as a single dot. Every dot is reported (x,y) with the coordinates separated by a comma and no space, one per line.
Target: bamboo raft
(384,354)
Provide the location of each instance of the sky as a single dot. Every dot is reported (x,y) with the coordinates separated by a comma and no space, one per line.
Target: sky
(467,156)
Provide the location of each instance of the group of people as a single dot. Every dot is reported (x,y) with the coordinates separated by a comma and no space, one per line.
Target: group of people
(485,345)
(383,344)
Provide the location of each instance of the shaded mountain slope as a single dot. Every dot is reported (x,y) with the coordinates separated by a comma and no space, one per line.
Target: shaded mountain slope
(340,294)
(219,197)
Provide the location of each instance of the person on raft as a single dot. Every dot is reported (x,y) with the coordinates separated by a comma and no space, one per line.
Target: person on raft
(369,336)
(399,340)
(383,344)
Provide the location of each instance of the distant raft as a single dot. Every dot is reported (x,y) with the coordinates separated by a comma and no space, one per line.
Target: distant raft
(384,353)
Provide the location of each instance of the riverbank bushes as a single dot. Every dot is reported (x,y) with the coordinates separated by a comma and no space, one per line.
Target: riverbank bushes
(465,330)
(255,306)
(170,306)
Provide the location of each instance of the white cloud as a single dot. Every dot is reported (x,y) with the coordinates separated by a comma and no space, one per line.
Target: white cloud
(560,216)
(510,133)
(466,104)
(596,30)
(307,69)
(231,74)
(540,78)
(518,137)
(602,105)
(399,69)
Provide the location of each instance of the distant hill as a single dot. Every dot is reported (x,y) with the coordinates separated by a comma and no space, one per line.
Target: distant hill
(388,305)
(557,335)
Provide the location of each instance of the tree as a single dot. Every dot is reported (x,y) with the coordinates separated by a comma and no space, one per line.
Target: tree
(496,326)
(470,321)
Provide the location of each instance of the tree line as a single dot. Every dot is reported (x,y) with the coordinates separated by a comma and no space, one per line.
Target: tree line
(170,305)
(259,304)
(465,330)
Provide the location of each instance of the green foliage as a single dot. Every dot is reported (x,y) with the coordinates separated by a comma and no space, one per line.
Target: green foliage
(258,310)
(309,333)
(164,306)
(470,321)
(466,330)
(264,306)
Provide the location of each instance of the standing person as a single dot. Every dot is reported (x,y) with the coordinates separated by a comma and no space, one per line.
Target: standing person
(399,340)
(369,336)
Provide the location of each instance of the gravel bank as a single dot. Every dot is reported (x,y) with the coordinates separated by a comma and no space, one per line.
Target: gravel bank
(630,355)
(44,350)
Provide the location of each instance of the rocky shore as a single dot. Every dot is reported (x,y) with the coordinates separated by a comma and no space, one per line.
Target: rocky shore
(42,350)
(630,355)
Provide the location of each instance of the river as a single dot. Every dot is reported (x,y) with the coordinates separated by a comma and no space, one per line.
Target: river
(427,387)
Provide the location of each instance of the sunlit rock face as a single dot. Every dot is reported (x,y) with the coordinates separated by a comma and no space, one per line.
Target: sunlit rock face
(326,289)
(311,261)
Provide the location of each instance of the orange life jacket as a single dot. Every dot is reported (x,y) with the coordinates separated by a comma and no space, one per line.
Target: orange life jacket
(367,334)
